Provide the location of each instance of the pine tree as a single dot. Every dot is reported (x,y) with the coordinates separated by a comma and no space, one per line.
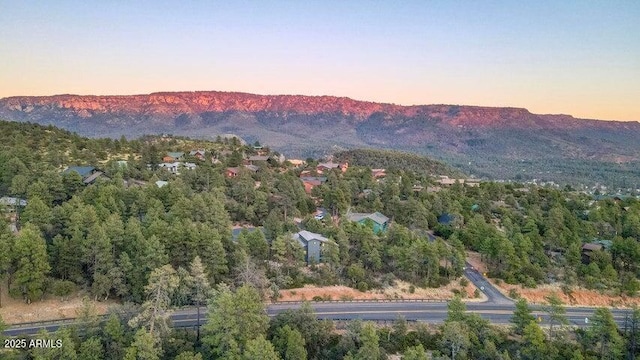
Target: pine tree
(200,287)
(521,316)
(32,266)
(260,349)
(154,315)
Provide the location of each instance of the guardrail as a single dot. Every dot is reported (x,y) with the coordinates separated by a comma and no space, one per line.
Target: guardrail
(101,318)
(359,301)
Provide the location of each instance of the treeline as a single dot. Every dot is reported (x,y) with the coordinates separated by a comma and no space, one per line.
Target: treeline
(395,160)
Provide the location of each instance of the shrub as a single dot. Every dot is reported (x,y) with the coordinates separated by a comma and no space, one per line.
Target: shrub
(513,293)
(476,293)
(62,288)
(317,298)
(412,289)
(464,282)
(346,297)
(363,286)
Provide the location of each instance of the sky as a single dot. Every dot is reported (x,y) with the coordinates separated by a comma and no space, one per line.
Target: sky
(577,57)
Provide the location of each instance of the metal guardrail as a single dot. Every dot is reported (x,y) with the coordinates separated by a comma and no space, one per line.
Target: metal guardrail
(359,301)
(104,317)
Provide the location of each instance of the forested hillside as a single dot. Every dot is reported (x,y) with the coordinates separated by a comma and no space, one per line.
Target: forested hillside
(154,239)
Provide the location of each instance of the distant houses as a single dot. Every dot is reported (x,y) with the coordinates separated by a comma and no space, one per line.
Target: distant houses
(323,167)
(173,157)
(198,154)
(380,222)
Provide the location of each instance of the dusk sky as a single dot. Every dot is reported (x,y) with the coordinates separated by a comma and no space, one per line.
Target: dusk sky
(572,57)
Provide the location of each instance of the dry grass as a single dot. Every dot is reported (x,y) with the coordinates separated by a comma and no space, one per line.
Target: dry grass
(399,291)
(16,311)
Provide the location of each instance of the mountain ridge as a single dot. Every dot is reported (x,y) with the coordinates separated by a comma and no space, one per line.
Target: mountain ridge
(494,142)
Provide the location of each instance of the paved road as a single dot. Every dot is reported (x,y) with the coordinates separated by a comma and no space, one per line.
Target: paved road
(430,312)
(498,309)
(493,295)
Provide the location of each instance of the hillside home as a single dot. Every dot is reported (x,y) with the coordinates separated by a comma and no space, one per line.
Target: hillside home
(251,160)
(89,174)
(378,173)
(199,154)
(312,244)
(322,167)
(380,222)
(173,157)
(232,172)
(309,182)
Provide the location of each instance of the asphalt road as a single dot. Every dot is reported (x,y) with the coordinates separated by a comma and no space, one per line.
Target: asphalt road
(498,309)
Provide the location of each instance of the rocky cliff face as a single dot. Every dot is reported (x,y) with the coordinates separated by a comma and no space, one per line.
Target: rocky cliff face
(478,139)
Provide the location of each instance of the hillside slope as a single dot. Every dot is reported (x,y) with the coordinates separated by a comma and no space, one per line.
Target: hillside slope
(490,142)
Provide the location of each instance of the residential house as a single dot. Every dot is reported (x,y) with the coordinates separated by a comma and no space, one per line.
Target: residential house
(296,162)
(378,173)
(380,222)
(251,160)
(312,244)
(89,174)
(252,168)
(322,167)
(199,154)
(589,249)
(189,166)
(172,167)
(161,183)
(173,157)
(232,172)
(309,182)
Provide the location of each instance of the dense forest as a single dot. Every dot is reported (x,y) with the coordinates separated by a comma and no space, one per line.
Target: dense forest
(153,246)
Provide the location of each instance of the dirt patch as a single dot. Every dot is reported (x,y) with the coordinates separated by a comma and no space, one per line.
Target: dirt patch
(400,291)
(15,311)
(474,259)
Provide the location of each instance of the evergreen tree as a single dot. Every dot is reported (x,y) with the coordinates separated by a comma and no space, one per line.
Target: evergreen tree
(259,349)
(32,266)
(521,316)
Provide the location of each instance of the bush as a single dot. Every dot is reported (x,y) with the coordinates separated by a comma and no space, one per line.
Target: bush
(363,286)
(464,282)
(62,288)
(317,298)
(346,297)
(476,293)
(513,293)
(412,289)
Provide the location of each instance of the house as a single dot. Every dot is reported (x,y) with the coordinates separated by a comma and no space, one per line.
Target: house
(322,167)
(309,182)
(296,162)
(378,173)
(161,183)
(312,244)
(232,172)
(172,167)
(257,158)
(472,182)
(380,222)
(173,157)
(89,174)
(597,245)
(446,219)
(189,166)
(198,154)
(122,163)
(12,202)
(252,168)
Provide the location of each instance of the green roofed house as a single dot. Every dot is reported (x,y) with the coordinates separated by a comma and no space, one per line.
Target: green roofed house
(89,174)
(380,222)
(312,244)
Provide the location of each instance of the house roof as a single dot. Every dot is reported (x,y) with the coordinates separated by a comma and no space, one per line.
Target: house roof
(328,165)
(175,155)
(305,236)
(233,170)
(91,178)
(320,179)
(258,158)
(446,218)
(82,170)
(253,168)
(12,201)
(592,247)
(195,152)
(376,217)
(161,183)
